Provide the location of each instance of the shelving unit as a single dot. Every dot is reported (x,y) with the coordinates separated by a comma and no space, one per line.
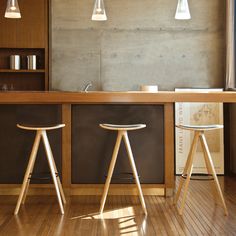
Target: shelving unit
(21,71)
(25,36)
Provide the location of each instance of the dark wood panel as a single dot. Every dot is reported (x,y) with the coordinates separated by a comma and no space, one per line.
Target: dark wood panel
(28,35)
(66,148)
(22,81)
(27,32)
(92,146)
(16,144)
(227,138)
(5,54)
(232,137)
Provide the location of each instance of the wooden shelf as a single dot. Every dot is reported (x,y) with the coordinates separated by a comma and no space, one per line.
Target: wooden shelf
(31,39)
(21,71)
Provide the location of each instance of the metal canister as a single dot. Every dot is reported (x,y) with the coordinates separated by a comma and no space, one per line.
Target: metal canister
(31,62)
(15,62)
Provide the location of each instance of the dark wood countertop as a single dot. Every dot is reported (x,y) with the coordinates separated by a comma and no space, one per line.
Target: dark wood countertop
(135,97)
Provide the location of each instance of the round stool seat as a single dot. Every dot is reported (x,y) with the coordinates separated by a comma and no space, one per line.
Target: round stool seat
(200,127)
(122,127)
(40,127)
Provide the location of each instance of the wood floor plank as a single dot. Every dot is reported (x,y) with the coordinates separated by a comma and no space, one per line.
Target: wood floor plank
(123,215)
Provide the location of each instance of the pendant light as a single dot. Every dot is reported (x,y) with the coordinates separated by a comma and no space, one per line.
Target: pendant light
(12,10)
(182,11)
(99,13)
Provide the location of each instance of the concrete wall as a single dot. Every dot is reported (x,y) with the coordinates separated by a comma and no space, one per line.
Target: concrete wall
(141,43)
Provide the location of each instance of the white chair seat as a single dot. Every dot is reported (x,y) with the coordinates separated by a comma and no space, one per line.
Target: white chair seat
(122,127)
(40,127)
(200,127)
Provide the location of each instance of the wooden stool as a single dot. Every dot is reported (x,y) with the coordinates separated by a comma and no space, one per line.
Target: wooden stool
(122,133)
(199,134)
(41,132)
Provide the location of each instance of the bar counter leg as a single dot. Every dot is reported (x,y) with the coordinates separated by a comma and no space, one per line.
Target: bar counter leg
(169,148)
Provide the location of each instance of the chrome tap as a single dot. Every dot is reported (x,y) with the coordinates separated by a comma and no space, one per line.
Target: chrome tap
(87,87)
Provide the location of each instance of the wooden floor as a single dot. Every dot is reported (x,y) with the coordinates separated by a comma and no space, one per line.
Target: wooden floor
(123,215)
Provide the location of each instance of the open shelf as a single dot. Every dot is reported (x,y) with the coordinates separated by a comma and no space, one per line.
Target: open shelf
(25,37)
(21,71)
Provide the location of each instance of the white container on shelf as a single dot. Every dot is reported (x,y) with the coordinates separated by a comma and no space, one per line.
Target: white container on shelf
(31,62)
(15,62)
(149,88)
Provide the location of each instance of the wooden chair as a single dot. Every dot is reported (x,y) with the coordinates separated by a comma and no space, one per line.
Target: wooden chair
(199,134)
(122,133)
(41,132)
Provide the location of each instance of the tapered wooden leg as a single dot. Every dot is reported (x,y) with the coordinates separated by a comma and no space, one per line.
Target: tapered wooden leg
(186,167)
(58,180)
(27,185)
(189,171)
(110,171)
(214,173)
(213,187)
(52,169)
(135,173)
(28,170)
(26,190)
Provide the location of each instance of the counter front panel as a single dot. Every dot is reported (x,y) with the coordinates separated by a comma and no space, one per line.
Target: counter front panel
(92,146)
(16,144)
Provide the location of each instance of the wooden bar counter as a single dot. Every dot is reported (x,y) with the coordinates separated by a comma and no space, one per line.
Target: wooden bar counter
(114,97)
(66,100)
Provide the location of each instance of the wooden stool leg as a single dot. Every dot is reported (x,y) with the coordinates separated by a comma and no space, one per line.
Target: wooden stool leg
(28,170)
(135,173)
(213,188)
(214,173)
(52,169)
(58,180)
(110,171)
(189,171)
(28,183)
(27,186)
(186,167)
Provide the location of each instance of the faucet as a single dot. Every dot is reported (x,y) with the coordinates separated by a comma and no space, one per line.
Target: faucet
(87,87)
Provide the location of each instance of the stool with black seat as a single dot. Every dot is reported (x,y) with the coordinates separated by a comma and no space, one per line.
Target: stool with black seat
(199,131)
(122,133)
(41,132)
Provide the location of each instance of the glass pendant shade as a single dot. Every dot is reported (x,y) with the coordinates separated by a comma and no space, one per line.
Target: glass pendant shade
(12,10)
(99,13)
(182,11)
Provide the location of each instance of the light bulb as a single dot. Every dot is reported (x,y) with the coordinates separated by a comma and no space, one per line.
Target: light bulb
(99,13)
(182,11)
(12,10)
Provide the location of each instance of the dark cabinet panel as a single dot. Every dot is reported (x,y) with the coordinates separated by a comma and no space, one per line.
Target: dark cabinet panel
(16,144)
(233,138)
(26,36)
(92,146)
(30,31)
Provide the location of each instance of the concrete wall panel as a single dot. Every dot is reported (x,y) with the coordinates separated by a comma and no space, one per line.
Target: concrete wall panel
(164,58)
(123,14)
(75,59)
(141,43)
